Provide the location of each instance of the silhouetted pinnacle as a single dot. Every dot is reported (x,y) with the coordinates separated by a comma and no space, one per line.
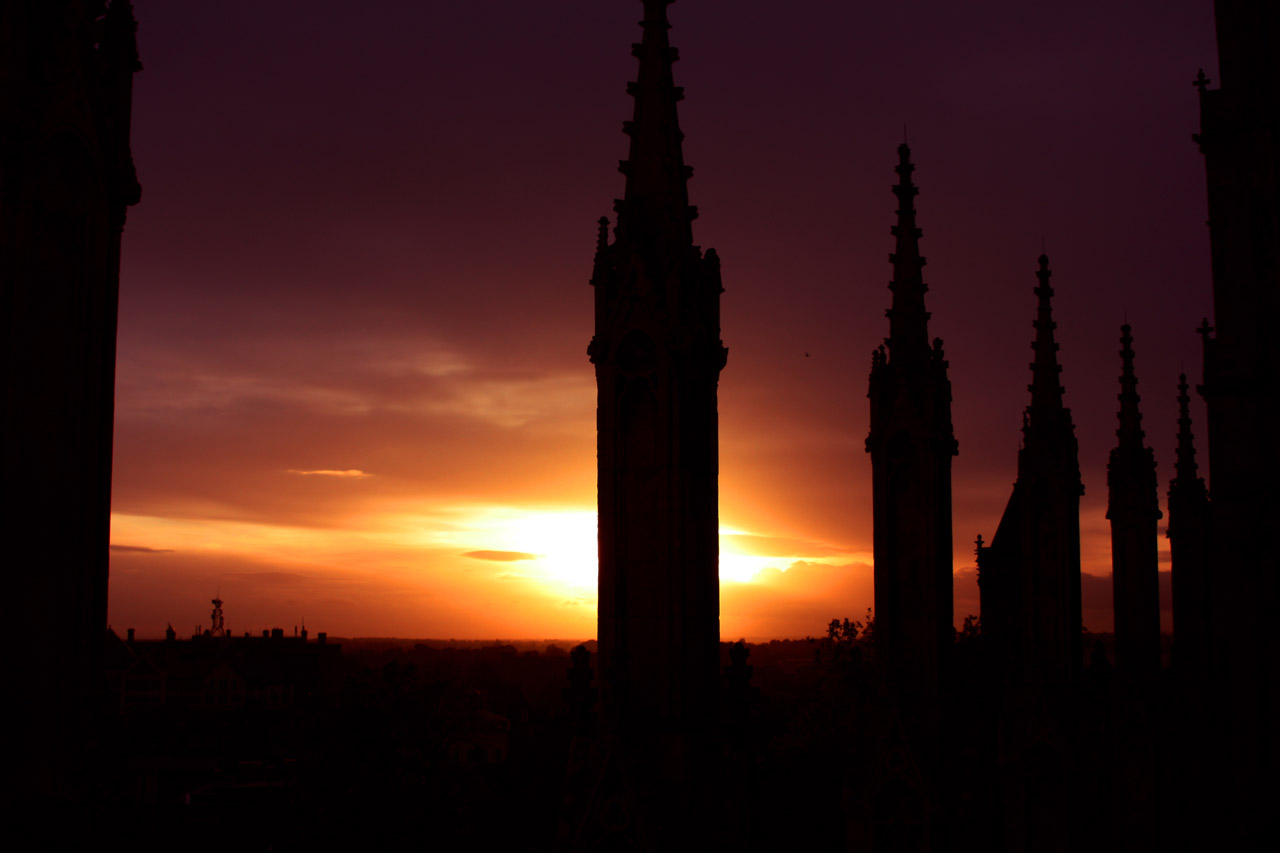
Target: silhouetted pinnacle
(1130,431)
(600,265)
(908,321)
(655,205)
(1185,468)
(1131,472)
(1046,392)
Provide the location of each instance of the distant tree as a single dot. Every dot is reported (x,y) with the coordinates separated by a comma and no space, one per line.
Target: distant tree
(844,641)
(843,633)
(869,632)
(972,628)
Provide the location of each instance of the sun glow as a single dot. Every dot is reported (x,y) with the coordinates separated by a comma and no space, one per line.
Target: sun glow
(559,547)
(562,544)
(439,564)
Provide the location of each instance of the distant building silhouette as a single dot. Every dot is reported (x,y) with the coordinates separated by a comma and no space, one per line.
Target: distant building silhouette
(1133,507)
(911,443)
(66,181)
(657,355)
(1029,575)
(1189,551)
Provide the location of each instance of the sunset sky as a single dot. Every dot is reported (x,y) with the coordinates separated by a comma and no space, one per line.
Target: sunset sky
(352,381)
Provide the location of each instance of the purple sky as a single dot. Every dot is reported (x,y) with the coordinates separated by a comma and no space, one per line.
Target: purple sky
(366,233)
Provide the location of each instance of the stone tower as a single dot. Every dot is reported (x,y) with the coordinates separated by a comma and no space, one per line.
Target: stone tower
(1241,149)
(911,443)
(1133,508)
(1241,146)
(66,182)
(658,356)
(1189,550)
(1029,576)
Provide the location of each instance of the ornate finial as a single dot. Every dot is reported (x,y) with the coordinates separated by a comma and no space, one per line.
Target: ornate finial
(1201,82)
(1205,330)
(979,545)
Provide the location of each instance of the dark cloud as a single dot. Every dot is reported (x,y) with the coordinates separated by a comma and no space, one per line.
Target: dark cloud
(138,549)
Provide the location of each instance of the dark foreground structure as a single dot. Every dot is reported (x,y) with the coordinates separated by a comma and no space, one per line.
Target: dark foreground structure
(66,182)
(1005,737)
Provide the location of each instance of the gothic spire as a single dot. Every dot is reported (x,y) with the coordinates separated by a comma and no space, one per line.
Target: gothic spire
(1185,467)
(908,321)
(1046,392)
(1130,433)
(656,202)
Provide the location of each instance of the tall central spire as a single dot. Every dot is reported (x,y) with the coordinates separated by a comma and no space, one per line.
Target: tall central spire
(911,443)
(908,321)
(657,355)
(655,207)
